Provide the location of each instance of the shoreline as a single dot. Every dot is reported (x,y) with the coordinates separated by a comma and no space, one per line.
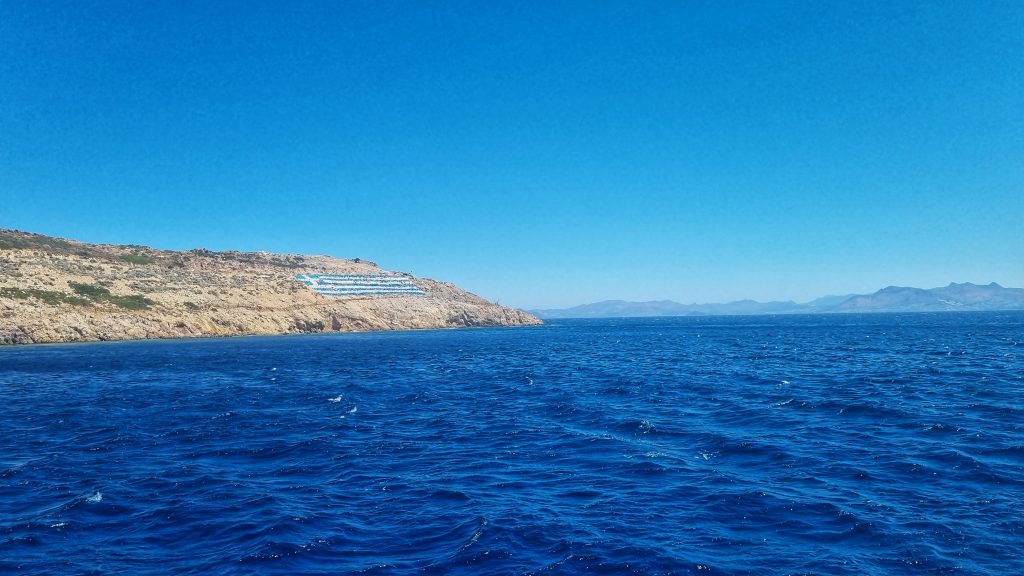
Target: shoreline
(54,290)
(209,337)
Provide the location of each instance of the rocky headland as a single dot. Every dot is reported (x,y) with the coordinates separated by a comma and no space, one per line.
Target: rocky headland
(57,290)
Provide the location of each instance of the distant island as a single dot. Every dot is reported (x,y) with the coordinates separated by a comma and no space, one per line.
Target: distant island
(954,297)
(57,290)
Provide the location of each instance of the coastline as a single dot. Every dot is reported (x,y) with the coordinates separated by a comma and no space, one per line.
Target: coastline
(54,290)
(222,337)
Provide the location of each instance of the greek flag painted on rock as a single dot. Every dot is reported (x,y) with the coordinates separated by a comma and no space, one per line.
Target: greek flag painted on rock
(360,284)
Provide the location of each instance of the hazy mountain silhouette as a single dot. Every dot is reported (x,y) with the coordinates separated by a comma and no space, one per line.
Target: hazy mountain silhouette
(954,297)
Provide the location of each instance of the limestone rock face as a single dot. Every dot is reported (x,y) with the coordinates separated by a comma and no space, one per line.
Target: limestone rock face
(55,290)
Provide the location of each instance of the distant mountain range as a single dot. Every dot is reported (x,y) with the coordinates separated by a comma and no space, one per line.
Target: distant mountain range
(955,297)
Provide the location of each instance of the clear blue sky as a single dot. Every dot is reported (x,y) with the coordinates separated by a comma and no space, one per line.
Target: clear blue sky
(544,154)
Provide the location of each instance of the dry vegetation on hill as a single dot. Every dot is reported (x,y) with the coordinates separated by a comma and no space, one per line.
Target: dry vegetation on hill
(55,290)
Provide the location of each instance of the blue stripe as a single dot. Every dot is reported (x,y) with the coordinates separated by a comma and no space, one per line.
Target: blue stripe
(361,284)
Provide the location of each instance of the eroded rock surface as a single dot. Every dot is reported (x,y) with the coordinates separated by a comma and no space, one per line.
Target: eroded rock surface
(55,290)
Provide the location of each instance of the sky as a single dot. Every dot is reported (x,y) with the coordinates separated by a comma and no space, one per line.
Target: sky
(542,154)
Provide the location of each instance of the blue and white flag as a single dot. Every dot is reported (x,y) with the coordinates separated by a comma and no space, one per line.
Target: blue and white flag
(360,284)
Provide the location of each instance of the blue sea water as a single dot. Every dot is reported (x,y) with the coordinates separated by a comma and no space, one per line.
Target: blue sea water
(866,444)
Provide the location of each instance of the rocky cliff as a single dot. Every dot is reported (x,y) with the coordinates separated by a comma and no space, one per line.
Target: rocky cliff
(55,290)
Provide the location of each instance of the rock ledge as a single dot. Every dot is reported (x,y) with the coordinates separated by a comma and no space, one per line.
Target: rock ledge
(56,290)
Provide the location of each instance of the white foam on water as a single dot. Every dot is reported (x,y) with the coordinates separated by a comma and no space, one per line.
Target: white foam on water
(336,399)
(476,534)
(353,410)
(97,497)
(59,525)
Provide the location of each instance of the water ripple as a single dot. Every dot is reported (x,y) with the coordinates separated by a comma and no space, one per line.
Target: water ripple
(872,444)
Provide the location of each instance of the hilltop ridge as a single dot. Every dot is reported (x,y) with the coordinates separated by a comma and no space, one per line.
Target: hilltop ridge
(58,290)
(954,297)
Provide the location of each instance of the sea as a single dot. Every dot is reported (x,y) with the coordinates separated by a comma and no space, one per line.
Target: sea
(805,444)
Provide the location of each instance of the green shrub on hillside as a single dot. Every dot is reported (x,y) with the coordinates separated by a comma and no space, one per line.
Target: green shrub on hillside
(90,290)
(131,302)
(87,294)
(136,258)
(47,296)
(11,242)
(101,294)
